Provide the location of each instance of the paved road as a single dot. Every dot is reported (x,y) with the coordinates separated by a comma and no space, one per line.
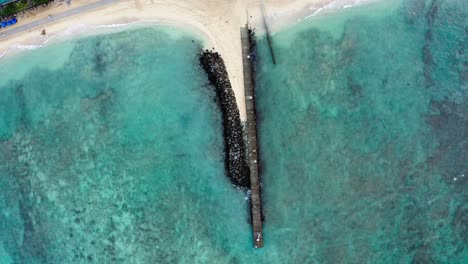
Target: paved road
(59,16)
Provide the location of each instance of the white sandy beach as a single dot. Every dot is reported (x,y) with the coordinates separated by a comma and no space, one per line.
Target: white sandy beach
(218,21)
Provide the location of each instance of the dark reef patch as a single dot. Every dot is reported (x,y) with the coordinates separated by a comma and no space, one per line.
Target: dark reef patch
(102,101)
(428,36)
(460,222)
(449,123)
(98,59)
(23,120)
(413,10)
(234,145)
(354,87)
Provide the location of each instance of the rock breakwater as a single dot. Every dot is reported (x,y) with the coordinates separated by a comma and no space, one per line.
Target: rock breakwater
(234,146)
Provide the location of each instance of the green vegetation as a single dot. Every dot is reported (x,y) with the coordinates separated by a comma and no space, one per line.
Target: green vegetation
(20,6)
(40,2)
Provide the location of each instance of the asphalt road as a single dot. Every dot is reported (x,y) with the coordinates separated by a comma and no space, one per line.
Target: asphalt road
(59,16)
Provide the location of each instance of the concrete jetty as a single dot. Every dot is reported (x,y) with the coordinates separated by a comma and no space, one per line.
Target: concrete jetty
(251,129)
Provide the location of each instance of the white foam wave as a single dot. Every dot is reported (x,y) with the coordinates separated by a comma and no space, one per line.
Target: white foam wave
(112,26)
(48,39)
(314,13)
(125,24)
(28,47)
(330,5)
(337,4)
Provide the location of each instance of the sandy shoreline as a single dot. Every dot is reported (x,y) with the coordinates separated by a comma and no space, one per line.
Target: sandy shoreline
(217,21)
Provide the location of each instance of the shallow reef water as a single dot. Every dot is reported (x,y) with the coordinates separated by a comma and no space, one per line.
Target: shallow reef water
(111,146)
(115,155)
(364,135)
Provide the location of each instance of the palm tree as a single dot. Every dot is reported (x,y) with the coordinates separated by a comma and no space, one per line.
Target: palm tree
(21,6)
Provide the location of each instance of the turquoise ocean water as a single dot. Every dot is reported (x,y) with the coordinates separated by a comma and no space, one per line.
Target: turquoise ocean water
(111,146)
(111,152)
(364,135)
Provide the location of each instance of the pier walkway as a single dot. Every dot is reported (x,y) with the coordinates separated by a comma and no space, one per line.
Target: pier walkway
(255,198)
